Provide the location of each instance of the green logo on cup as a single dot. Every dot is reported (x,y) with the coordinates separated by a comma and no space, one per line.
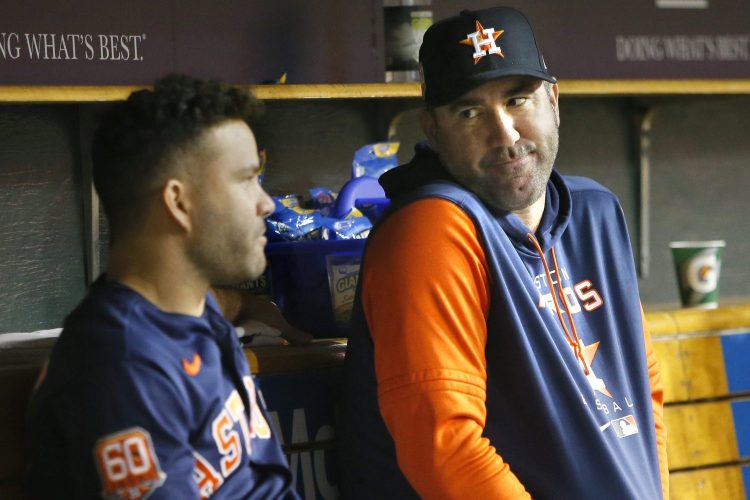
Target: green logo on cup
(698,265)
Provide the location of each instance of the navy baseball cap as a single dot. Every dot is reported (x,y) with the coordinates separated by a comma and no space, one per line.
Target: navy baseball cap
(465,51)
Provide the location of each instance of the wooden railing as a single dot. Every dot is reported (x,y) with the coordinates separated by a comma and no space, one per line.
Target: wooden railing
(705,360)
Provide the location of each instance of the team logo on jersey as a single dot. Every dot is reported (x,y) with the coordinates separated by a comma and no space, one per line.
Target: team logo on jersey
(192,367)
(588,352)
(232,443)
(127,464)
(483,41)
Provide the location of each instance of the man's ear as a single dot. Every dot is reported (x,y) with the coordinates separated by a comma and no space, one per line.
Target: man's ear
(428,124)
(176,200)
(554,96)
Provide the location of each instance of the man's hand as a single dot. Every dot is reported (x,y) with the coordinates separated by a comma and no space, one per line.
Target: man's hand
(241,307)
(254,333)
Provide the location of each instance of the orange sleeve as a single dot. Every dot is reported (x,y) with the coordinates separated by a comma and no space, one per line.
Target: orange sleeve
(426,298)
(657,398)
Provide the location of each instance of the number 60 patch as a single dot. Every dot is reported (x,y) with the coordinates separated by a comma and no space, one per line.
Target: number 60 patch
(128,465)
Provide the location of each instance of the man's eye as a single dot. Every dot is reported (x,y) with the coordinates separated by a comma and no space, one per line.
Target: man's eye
(469,113)
(517,101)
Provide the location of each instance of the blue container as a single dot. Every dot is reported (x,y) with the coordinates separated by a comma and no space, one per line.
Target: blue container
(313,283)
(372,208)
(353,190)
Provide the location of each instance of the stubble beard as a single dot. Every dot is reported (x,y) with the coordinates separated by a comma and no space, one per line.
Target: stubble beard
(223,256)
(509,197)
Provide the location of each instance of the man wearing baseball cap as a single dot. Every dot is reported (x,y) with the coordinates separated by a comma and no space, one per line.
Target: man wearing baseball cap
(498,347)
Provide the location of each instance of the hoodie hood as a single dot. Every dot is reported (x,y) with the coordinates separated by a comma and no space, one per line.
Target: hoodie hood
(425,168)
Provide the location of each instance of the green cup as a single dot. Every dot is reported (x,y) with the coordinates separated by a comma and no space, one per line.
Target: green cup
(698,265)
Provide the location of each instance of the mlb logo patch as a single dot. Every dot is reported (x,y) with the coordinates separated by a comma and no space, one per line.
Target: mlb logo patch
(625,426)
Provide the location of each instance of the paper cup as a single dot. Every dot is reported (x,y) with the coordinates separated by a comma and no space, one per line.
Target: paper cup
(698,265)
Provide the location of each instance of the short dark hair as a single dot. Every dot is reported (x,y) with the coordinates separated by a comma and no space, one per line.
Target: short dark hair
(137,137)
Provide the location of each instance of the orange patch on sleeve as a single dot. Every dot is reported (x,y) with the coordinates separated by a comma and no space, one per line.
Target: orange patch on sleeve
(128,465)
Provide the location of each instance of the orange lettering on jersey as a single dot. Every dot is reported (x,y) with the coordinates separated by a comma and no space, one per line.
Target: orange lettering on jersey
(227,441)
(259,427)
(193,367)
(236,409)
(206,477)
(128,465)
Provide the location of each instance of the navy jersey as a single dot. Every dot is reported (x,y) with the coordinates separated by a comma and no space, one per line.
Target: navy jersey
(520,363)
(141,403)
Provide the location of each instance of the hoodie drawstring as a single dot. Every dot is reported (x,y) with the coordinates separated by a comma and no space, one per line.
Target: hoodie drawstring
(573,340)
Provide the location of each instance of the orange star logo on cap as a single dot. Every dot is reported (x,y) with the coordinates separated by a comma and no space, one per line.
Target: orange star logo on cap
(483,41)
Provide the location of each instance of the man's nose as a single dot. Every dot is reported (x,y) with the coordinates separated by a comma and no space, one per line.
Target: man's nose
(504,131)
(266,204)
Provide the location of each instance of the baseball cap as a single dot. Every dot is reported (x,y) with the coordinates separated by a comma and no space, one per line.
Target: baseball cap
(462,52)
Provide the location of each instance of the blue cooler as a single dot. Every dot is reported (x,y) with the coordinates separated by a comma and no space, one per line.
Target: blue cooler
(313,282)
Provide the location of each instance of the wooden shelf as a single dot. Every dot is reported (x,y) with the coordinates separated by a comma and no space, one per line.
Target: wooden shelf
(64,94)
(582,88)
(338,91)
(568,88)
(73,93)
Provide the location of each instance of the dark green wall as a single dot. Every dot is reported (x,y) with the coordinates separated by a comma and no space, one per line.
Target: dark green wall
(700,174)
(41,250)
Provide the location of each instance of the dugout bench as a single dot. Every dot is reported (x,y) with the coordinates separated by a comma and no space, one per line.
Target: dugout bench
(705,362)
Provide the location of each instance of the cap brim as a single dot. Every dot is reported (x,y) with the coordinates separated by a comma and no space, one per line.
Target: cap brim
(468,84)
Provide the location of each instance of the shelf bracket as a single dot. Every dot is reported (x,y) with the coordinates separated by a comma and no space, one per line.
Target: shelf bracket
(646,118)
(91,252)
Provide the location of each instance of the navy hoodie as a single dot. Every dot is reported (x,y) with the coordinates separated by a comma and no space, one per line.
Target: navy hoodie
(571,426)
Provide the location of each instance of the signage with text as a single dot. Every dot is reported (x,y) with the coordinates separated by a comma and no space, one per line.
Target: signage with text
(108,42)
